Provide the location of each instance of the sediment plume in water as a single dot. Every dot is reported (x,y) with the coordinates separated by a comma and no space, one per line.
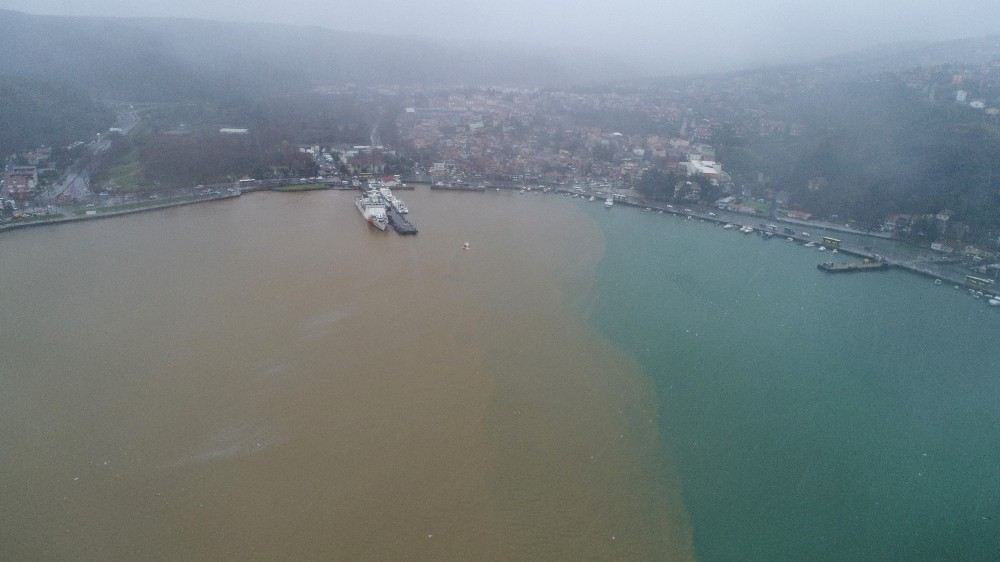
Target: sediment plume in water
(271,378)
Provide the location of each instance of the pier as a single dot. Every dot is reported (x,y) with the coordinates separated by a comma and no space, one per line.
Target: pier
(399,222)
(831,267)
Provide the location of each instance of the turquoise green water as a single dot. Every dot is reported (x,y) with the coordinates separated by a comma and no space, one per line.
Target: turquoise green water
(811,417)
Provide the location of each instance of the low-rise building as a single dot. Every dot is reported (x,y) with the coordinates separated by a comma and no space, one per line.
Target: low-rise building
(19,182)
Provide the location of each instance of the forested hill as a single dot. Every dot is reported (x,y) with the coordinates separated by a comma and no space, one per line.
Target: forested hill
(156,59)
(34,112)
(877,147)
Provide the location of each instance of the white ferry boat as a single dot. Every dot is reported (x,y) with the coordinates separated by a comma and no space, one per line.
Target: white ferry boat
(372,207)
(392,200)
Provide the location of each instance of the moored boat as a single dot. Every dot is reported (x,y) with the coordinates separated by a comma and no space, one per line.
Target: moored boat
(372,208)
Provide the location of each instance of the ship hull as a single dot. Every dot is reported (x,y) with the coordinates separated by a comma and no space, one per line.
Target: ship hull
(369,217)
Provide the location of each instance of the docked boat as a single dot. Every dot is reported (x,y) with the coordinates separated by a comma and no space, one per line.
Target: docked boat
(994,302)
(609,202)
(372,207)
(392,200)
(591,198)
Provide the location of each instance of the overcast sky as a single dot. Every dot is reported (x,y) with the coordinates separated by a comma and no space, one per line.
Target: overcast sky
(676,35)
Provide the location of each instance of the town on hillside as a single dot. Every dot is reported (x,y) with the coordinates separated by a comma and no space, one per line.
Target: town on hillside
(757,144)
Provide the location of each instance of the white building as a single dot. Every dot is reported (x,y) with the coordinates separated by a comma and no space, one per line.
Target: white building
(707,168)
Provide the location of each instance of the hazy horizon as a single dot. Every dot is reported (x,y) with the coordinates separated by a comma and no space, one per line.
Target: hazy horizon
(716,35)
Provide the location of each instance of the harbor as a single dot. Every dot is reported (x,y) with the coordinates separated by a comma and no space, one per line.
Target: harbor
(922,266)
(394,213)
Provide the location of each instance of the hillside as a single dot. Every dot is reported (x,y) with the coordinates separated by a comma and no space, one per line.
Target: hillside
(152,59)
(969,51)
(36,112)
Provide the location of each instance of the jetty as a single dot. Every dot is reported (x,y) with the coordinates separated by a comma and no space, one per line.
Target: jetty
(399,222)
(831,267)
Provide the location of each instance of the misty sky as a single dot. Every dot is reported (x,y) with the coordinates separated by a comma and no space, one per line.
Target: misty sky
(670,34)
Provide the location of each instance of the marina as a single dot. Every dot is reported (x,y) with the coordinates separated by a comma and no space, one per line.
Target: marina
(823,244)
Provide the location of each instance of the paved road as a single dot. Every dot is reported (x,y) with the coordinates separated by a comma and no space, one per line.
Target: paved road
(75,185)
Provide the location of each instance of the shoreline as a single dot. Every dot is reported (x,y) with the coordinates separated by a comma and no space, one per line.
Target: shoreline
(80,218)
(907,266)
(850,250)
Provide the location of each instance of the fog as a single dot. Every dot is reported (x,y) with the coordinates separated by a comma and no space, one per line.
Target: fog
(665,36)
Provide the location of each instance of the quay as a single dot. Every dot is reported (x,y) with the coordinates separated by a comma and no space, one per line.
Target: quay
(446,187)
(832,267)
(399,222)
